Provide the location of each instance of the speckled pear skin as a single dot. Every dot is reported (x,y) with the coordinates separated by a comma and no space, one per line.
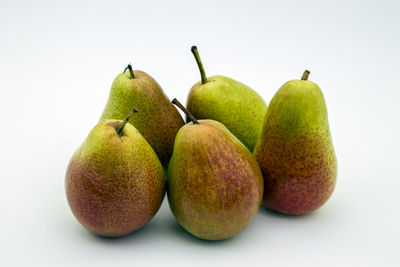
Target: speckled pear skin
(157,120)
(295,151)
(215,185)
(232,103)
(114,185)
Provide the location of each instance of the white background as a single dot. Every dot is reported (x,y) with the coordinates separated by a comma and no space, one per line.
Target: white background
(58,60)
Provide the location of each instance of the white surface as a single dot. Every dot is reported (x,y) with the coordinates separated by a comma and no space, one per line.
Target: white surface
(58,60)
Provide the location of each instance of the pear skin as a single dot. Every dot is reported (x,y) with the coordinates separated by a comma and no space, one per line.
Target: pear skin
(230,102)
(215,185)
(295,150)
(114,184)
(158,120)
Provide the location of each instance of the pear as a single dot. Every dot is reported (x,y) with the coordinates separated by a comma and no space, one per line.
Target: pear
(230,102)
(114,182)
(215,185)
(295,150)
(158,121)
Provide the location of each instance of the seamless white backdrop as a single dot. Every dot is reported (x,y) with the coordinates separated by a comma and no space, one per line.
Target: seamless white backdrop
(58,60)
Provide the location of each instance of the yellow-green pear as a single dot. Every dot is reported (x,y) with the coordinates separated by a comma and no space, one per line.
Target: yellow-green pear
(295,150)
(158,121)
(230,102)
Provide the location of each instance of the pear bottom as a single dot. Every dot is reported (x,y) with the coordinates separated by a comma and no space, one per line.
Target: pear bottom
(299,173)
(114,209)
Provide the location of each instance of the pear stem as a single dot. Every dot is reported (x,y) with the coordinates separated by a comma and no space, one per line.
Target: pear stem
(305,75)
(129,67)
(199,64)
(120,130)
(190,115)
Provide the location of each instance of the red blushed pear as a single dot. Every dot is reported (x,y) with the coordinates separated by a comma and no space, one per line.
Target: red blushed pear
(215,185)
(114,182)
(295,151)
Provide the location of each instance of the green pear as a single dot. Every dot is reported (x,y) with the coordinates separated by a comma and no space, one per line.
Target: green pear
(215,185)
(295,150)
(114,182)
(230,102)
(158,121)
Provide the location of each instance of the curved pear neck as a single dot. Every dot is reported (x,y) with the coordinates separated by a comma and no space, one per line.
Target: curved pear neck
(129,67)
(199,64)
(188,114)
(120,130)
(305,75)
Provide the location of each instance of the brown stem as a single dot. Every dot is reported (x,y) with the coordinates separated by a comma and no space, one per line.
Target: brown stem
(188,114)
(199,64)
(120,130)
(305,75)
(129,67)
